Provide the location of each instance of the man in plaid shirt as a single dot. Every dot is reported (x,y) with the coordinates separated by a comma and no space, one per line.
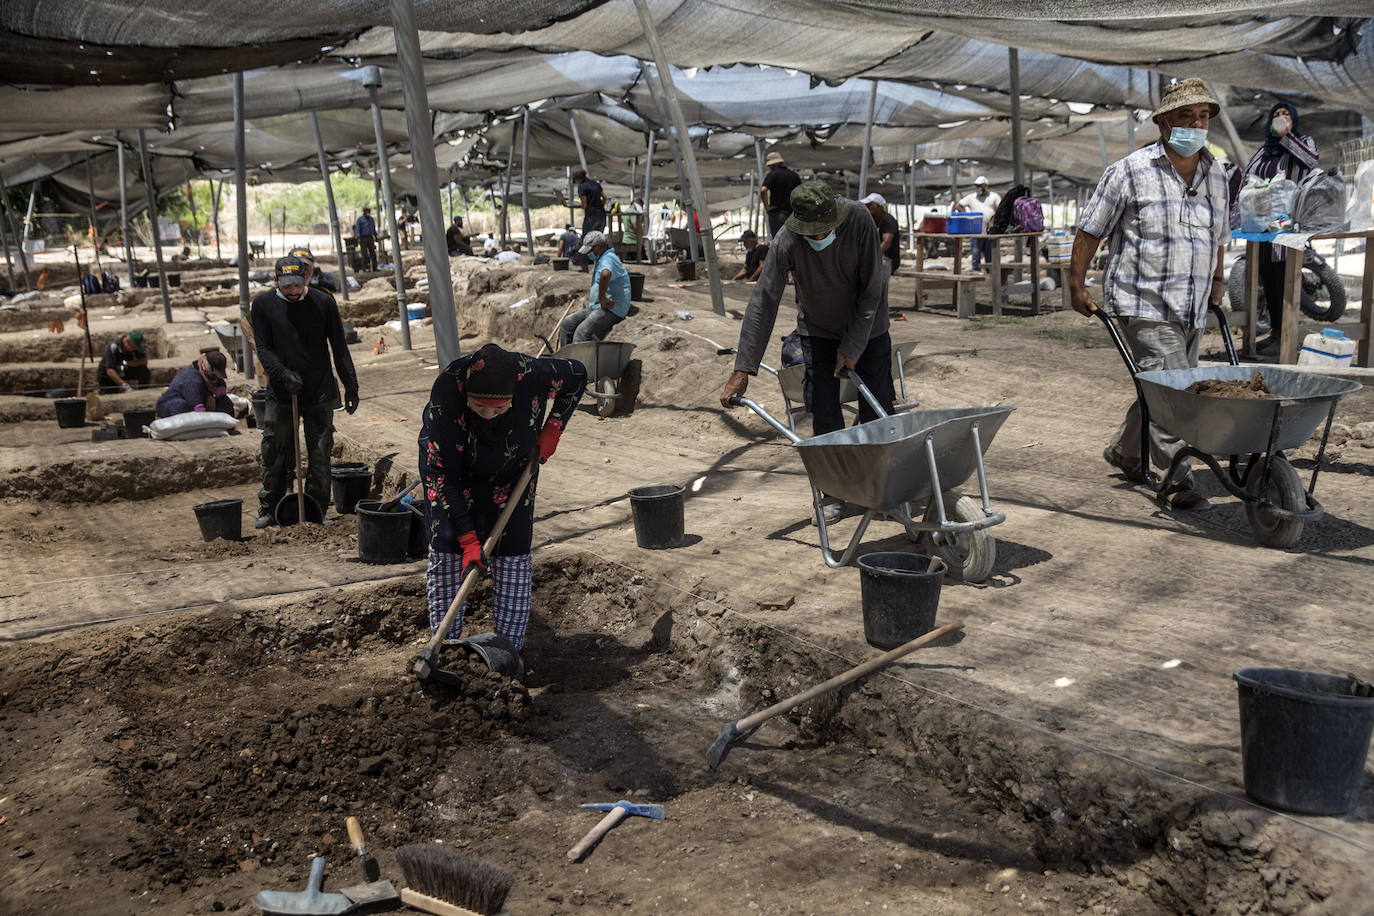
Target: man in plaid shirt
(1163,211)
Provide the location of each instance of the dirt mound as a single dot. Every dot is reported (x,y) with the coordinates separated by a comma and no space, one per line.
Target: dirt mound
(1254,387)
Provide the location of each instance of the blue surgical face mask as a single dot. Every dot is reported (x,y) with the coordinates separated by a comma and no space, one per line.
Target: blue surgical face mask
(1187,140)
(821,244)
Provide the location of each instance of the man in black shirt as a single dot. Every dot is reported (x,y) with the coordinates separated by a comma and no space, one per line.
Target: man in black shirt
(457,239)
(123,364)
(889,235)
(365,231)
(776,193)
(295,328)
(593,208)
(754,253)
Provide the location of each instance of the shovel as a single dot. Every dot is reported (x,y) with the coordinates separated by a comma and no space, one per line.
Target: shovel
(309,902)
(298,507)
(425,665)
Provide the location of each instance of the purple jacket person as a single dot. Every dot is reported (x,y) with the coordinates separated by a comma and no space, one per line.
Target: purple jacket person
(199,386)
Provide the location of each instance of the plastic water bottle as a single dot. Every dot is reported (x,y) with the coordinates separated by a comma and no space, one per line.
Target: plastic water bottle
(1329,347)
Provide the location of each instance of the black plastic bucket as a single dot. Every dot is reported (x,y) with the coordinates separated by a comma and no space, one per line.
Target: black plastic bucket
(498,652)
(174,279)
(419,531)
(636,286)
(686,270)
(1304,738)
(135,420)
(222,518)
(899,597)
(560,263)
(140,281)
(382,536)
(71,412)
(349,483)
(658,516)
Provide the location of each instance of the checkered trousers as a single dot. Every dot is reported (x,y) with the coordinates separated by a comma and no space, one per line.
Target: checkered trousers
(511,582)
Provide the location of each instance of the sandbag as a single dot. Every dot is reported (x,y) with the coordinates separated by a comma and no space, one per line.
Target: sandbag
(1319,205)
(192,425)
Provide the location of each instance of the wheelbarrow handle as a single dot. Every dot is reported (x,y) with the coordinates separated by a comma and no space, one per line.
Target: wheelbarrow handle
(1121,348)
(863,390)
(1225,327)
(741,401)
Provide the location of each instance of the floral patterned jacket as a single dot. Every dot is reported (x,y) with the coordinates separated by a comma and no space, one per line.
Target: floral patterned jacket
(467,482)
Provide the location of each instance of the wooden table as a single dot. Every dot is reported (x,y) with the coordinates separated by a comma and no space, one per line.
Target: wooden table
(1291,329)
(964,305)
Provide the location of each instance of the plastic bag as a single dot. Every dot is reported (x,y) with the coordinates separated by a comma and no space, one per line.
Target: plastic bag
(1319,205)
(194,425)
(1265,203)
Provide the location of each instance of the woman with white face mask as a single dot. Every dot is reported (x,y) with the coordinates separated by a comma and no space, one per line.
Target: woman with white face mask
(1286,153)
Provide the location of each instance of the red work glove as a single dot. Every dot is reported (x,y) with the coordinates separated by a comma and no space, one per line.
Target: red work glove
(472,553)
(548,441)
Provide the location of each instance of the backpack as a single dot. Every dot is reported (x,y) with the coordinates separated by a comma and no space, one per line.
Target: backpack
(1001,220)
(1027,216)
(1319,205)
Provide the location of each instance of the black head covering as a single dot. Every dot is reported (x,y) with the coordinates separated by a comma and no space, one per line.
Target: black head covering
(491,374)
(1272,143)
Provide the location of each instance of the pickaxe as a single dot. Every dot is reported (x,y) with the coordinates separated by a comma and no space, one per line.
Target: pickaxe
(616,812)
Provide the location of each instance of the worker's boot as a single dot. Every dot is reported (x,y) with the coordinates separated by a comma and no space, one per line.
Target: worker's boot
(264,520)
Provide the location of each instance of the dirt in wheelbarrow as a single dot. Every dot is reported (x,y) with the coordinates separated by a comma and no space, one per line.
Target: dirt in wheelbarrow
(180,767)
(1253,387)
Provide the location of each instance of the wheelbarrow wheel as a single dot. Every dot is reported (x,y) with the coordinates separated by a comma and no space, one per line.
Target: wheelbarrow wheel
(1285,490)
(969,555)
(629,388)
(605,406)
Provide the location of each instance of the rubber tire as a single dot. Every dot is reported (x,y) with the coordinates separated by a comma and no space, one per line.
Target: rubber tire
(1335,290)
(970,556)
(1287,492)
(1322,273)
(606,407)
(629,388)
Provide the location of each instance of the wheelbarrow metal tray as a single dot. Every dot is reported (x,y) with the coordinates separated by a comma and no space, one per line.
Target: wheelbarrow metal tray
(882,464)
(1240,426)
(603,358)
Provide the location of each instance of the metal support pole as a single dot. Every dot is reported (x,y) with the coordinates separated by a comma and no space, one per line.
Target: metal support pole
(868,137)
(648,226)
(241,221)
(335,235)
(674,145)
(572,197)
(953,183)
(577,141)
(1130,110)
(758,164)
(372,78)
(505,186)
(191,198)
(20,233)
(1102,147)
(418,124)
(1014,67)
(450,198)
(689,157)
(95,232)
(124,213)
(152,221)
(911,200)
(525,177)
(214,204)
(5,244)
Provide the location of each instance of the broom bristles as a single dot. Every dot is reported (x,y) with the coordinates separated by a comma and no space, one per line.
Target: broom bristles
(455,878)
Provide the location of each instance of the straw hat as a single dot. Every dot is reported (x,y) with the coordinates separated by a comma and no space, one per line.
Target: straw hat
(773,158)
(1191,91)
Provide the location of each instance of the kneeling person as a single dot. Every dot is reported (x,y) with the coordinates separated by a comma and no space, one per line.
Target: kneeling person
(608,300)
(487,414)
(198,387)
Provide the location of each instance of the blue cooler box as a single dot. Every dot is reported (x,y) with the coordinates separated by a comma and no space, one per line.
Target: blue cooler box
(965,223)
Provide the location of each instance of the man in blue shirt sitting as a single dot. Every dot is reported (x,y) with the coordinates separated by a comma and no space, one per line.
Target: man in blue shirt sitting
(609,297)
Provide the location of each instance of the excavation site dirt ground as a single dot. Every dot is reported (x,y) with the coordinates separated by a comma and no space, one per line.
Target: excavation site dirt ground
(185,723)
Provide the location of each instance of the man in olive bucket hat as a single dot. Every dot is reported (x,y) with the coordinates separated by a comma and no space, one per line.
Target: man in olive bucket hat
(830,246)
(1163,212)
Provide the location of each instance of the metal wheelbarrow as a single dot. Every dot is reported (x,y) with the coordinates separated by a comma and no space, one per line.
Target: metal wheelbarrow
(1250,433)
(893,464)
(612,377)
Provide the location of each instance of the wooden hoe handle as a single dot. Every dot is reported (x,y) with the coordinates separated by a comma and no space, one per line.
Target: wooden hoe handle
(603,827)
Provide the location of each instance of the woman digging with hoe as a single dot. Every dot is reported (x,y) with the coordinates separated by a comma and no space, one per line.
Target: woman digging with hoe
(489,415)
